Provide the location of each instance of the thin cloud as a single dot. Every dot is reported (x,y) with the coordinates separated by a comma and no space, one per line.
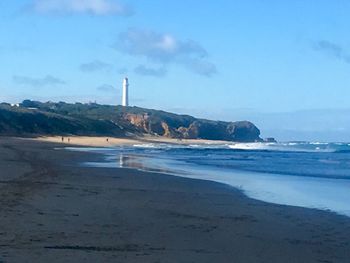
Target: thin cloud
(16,48)
(123,71)
(202,67)
(94,7)
(165,49)
(107,88)
(96,65)
(154,72)
(38,82)
(333,50)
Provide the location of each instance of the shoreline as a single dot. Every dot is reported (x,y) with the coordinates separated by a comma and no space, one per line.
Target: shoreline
(261,186)
(54,210)
(101,141)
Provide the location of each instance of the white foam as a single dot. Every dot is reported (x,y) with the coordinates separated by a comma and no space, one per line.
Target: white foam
(249,146)
(146,145)
(319,143)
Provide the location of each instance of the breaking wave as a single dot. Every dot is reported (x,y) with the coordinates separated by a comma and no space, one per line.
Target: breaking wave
(258,146)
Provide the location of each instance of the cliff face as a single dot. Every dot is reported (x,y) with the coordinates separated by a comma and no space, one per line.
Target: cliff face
(243,131)
(151,125)
(92,119)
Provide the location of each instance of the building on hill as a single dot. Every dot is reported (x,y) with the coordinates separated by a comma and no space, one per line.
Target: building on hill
(125,99)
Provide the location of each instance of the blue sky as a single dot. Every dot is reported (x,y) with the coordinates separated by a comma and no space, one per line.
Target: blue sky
(263,60)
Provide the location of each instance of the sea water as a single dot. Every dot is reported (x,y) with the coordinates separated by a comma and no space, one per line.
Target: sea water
(305,174)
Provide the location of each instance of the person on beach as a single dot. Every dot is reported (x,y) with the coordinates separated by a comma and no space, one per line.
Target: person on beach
(107,140)
(62,138)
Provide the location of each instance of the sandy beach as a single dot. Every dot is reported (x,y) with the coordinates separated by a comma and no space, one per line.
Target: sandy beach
(53,210)
(112,141)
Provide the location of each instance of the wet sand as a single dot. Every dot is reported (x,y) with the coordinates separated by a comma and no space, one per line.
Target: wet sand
(53,210)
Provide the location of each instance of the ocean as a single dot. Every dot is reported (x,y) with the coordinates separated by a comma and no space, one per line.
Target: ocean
(304,174)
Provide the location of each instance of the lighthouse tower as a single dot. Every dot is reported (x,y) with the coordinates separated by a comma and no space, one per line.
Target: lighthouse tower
(125,99)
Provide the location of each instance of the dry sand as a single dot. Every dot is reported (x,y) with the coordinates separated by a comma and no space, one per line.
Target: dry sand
(52,210)
(112,141)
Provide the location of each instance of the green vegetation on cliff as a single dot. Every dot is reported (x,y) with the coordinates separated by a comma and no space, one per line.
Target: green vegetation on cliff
(37,118)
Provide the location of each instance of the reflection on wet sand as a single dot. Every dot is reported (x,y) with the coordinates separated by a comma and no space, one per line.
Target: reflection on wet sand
(139,162)
(130,161)
(121,161)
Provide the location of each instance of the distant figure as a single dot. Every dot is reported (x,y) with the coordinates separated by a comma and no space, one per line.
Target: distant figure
(68,139)
(62,138)
(107,140)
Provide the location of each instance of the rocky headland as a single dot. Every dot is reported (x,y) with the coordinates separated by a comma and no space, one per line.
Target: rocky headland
(36,118)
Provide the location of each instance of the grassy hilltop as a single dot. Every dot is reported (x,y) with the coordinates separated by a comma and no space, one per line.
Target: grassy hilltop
(36,118)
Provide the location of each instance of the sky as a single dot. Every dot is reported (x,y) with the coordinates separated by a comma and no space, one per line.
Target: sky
(282,64)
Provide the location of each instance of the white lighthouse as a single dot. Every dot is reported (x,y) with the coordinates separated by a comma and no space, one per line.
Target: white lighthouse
(125,99)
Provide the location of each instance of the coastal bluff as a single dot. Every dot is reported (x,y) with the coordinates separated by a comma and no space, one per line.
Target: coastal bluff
(90,119)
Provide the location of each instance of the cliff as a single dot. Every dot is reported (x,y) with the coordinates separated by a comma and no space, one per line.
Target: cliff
(195,128)
(33,118)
